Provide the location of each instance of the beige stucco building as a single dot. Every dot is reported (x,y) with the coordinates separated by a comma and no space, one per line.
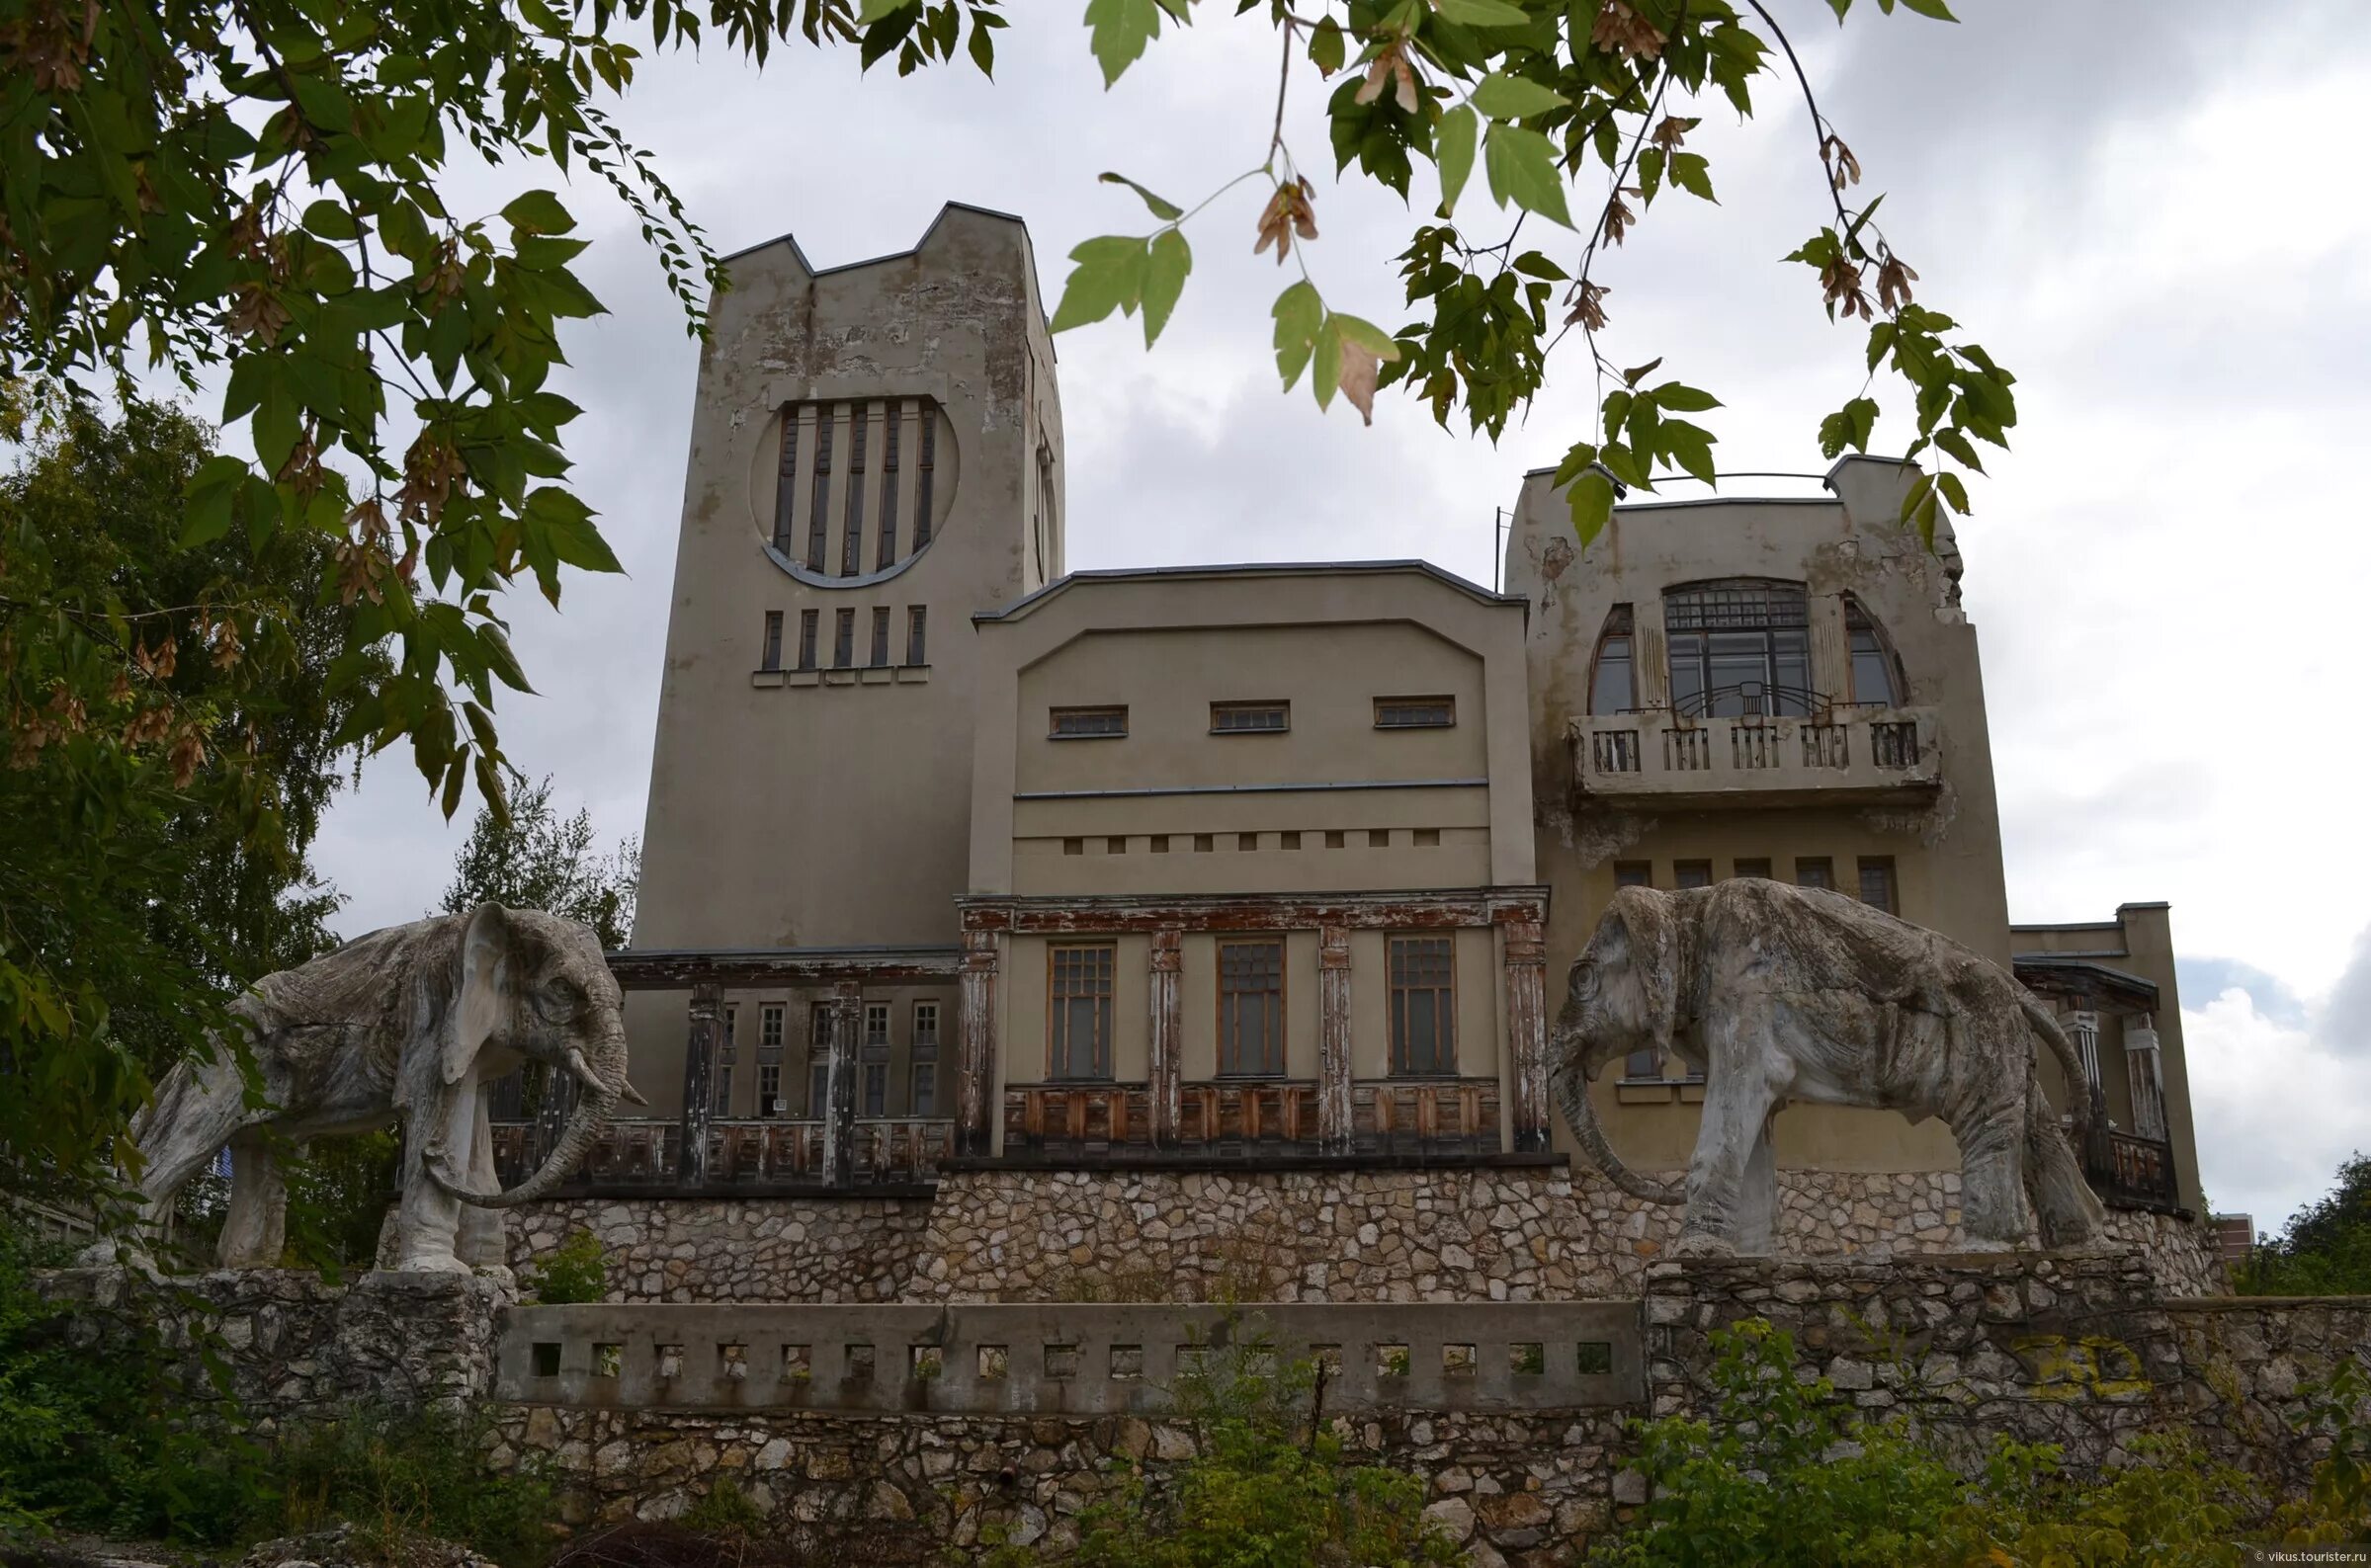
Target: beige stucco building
(960,864)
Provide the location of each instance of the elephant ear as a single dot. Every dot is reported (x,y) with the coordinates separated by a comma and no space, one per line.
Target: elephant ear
(1653,940)
(482,993)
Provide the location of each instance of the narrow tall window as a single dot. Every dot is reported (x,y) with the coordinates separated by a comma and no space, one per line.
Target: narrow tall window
(1414,713)
(1814,872)
(916,622)
(785,484)
(1691,873)
(923,471)
(876,1058)
(727,1048)
(1877,883)
(1740,646)
(769,1060)
(1251,1009)
(771,657)
(1423,976)
(922,1095)
(885,553)
(880,635)
(852,547)
(768,1089)
(877,1026)
(806,637)
(1876,672)
(817,524)
(818,1060)
(1613,684)
(843,640)
(1079,1011)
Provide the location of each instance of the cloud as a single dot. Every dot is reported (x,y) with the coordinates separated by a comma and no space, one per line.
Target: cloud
(2268,994)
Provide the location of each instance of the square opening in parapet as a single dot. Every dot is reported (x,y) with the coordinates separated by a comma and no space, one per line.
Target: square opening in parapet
(797,1367)
(1595,1359)
(924,1362)
(1527,1357)
(1327,1359)
(1061,1361)
(1193,1361)
(546,1359)
(995,1362)
(671,1360)
(1391,1360)
(732,1362)
(860,1363)
(1457,1360)
(1128,1363)
(608,1360)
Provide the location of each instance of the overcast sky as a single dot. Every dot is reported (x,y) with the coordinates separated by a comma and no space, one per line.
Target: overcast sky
(2141,207)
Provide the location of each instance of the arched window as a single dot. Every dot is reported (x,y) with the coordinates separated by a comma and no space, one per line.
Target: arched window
(1613,677)
(1740,645)
(1876,670)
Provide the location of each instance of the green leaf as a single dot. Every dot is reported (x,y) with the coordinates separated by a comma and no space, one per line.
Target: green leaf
(330,220)
(1953,490)
(1483,13)
(1452,149)
(1691,173)
(1367,335)
(1930,8)
(539,213)
(1881,338)
(1165,269)
(208,494)
(1119,32)
(1689,446)
(1109,275)
(1952,441)
(873,10)
(1325,365)
(1592,499)
(1521,165)
(1299,312)
(1161,209)
(1327,48)
(1504,97)
(1674,398)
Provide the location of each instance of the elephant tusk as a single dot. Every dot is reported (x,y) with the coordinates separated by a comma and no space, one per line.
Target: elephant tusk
(630,1095)
(451,1184)
(584,1072)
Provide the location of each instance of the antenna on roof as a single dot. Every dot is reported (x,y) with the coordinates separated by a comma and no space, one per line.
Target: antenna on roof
(1497,549)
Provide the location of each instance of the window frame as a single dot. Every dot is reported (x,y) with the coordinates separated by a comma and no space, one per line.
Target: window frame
(1056,716)
(1715,618)
(1828,870)
(1280,706)
(1273,1012)
(1397,1017)
(1621,625)
(1624,873)
(1882,865)
(769,656)
(1446,701)
(1681,870)
(1857,619)
(1104,1017)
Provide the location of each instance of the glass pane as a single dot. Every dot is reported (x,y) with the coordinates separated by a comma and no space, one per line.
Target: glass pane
(1791,670)
(1872,672)
(1737,660)
(1643,1064)
(1687,672)
(876,1089)
(1614,692)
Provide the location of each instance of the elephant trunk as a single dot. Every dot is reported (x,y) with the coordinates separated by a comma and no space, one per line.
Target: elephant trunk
(1572,1093)
(606,1082)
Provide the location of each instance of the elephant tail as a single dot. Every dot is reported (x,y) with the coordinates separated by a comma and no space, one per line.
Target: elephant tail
(2083,1098)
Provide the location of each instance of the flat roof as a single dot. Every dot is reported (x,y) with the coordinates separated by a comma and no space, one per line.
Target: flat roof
(1124,574)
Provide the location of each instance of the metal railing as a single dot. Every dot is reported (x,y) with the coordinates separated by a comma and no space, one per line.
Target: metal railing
(1892,752)
(1230,1117)
(2131,1172)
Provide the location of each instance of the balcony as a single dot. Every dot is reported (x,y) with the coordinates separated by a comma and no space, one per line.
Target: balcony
(1417,1120)
(1657,759)
(2129,1172)
(745,1157)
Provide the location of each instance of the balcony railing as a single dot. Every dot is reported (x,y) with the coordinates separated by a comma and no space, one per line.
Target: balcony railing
(1241,1118)
(744,1155)
(1888,755)
(2131,1172)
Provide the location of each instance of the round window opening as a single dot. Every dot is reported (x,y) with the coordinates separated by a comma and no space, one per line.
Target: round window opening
(849,491)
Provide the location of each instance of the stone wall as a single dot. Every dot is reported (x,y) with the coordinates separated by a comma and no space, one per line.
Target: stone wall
(295,1344)
(1523,1489)
(703,1249)
(1460,1234)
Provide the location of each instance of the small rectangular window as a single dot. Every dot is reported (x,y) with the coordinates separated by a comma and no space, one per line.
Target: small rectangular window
(1633,874)
(1252,1008)
(1289,841)
(1877,883)
(881,635)
(769,1031)
(1379,838)
(877,1026)
(1428,838)
(1161,843)
(1816,871)
(1086,723)
(1250,718)
(1750,868)
(916,622)
(1246,841)
(926,1026)
(1414,713)
(1115,845)
(1691,873)
(1074,845)
(771,657)
(1643,1067)
(1079,1014)
(843,640)
(1423,1004)
(806,639)
(1204,843)
(1335,838)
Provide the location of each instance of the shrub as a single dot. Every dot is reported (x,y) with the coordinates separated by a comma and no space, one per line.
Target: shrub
(576,1271)
(725,1510)
(398,1474)
(1269,1485)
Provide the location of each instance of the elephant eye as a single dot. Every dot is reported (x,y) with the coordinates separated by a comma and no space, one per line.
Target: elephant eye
(556,1001)
(1584,979)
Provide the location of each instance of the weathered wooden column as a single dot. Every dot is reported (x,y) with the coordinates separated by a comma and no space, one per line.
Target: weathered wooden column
(2144,1072)
(975,1073)
(839,1083)
(699,1063)
(1336,1128)
(1168,946)
(1526,961)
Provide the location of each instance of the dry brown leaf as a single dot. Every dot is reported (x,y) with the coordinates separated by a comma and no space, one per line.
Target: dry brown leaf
(1360,366)
(1621,31)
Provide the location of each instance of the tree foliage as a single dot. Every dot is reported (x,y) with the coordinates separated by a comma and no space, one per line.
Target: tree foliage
(2326,1250)
(140,888)
(530,858)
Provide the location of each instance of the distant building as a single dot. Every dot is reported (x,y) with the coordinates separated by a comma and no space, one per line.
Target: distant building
(960,867)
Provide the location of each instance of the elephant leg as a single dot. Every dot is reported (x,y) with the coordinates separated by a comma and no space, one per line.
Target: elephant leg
(2070,1212)
(1992,1212)
(1758,1198)
(1739,1101)
(428,1219)
(483,1241)
(256,1228)
(197,1111)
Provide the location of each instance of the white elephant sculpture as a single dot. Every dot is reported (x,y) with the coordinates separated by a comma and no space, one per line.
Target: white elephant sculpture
(1780,993)
(411,1023)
